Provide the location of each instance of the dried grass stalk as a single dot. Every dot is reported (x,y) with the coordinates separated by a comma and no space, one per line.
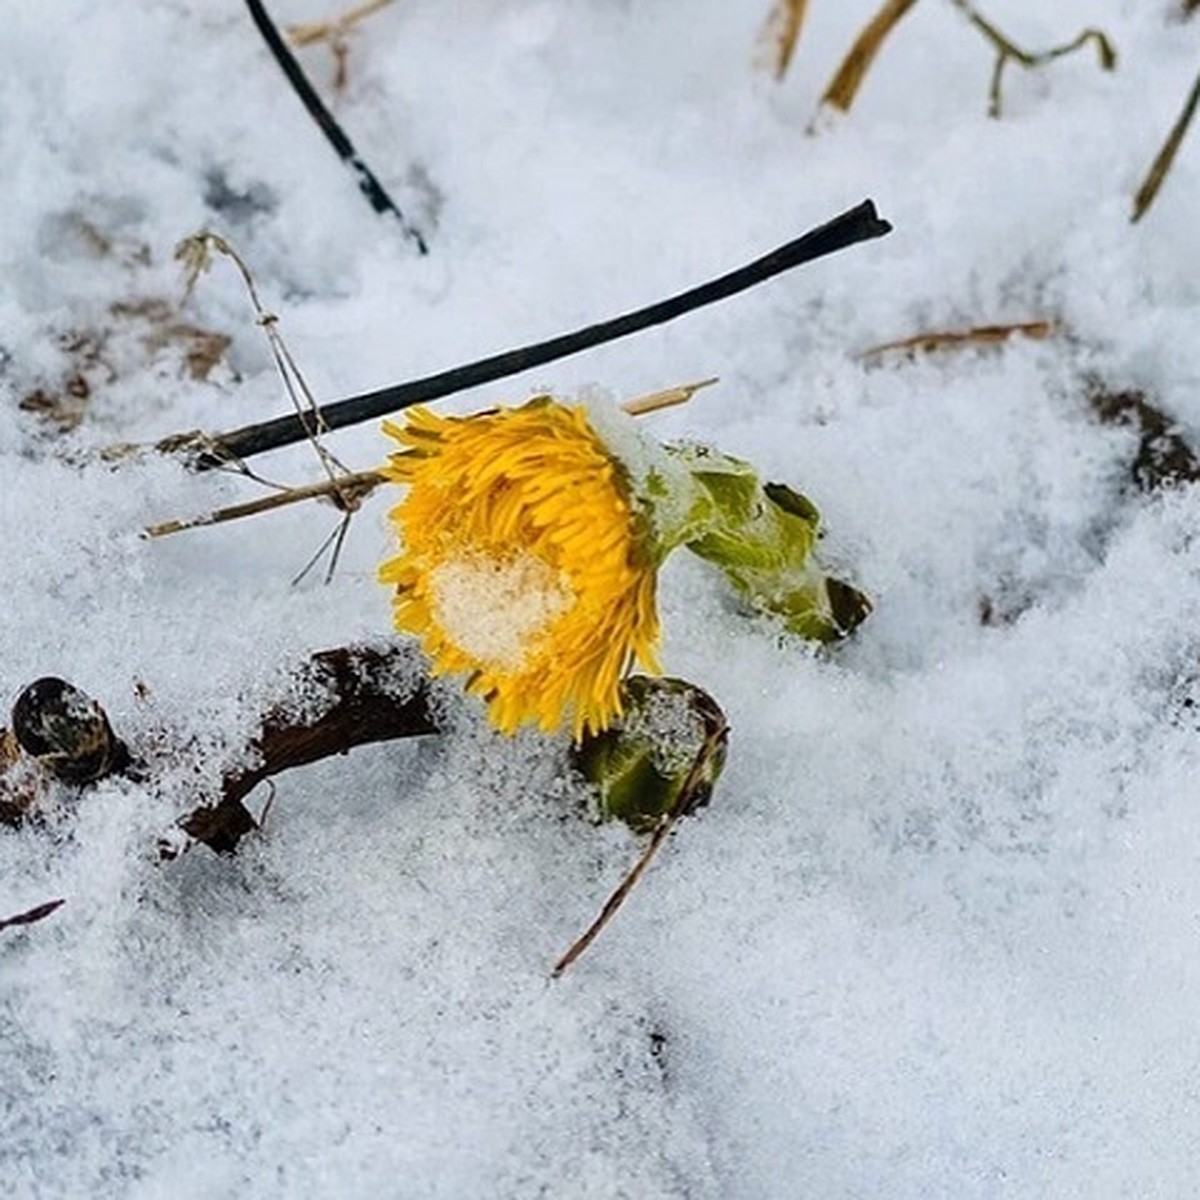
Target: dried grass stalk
(309,32)
(1166,156)
(845,84)
(1007,51)
(781,34)
(698,778)
(955,339)
(348,491)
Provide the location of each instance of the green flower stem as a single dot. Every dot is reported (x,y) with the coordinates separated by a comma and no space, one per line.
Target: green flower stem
(763,538)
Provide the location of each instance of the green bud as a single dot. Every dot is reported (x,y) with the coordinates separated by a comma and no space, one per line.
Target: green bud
(661,758)
(763,537)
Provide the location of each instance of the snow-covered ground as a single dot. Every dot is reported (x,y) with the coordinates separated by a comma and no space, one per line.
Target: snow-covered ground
(938,933)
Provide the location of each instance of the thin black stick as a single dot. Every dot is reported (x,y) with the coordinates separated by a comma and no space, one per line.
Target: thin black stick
(33,915)
(368,184)
(857,224)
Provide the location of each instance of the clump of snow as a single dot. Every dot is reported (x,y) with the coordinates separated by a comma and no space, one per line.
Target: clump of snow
(495,610)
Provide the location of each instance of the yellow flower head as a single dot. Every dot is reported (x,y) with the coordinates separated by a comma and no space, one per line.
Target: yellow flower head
(524,561)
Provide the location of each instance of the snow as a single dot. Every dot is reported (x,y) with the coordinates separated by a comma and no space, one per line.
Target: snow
(935,935)
(496,611)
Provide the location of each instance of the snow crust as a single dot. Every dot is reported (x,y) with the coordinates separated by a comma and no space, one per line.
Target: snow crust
(937,933)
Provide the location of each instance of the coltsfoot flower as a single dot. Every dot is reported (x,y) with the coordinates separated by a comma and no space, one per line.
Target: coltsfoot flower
(525,562)
(531,539)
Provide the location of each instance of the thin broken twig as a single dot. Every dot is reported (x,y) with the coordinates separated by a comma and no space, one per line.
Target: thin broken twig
(309,32)
(781,34)
(699,779)
(33,915)
(368,183)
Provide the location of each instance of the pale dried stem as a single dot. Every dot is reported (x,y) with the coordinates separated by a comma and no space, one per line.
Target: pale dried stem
(639,406)
(782,33)
(330,31)
(712,746)
(350,490)
(953,339)
(1166,156)
(355,488)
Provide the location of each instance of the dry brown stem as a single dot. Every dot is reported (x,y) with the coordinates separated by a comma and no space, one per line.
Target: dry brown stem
(955,339)
(698,779)
(781,34)
(843,87)
(348,491)
(1007,51)
(1166,156)
(334,33)
(306,33)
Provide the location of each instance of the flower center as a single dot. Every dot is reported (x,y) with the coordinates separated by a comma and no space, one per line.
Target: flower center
(494,609)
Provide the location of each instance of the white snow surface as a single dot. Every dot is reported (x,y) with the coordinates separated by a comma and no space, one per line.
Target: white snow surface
(937,934)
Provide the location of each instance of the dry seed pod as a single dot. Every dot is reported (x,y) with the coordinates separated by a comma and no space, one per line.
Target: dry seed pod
(67,732)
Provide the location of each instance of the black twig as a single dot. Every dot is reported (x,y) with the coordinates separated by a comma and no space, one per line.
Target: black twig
(33,915)
(368,183)
(858,224)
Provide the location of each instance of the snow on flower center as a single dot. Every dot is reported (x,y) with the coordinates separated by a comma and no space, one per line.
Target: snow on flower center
(493,609)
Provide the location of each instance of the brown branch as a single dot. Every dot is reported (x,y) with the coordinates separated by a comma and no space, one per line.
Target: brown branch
(365,703)
(1166,156)
(307,33)
(346,491)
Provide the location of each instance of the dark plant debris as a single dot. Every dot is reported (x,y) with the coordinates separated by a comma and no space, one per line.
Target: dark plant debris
(33,915)
(1164,456)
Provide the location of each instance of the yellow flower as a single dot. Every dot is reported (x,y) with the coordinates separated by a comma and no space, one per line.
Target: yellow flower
(524,561)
